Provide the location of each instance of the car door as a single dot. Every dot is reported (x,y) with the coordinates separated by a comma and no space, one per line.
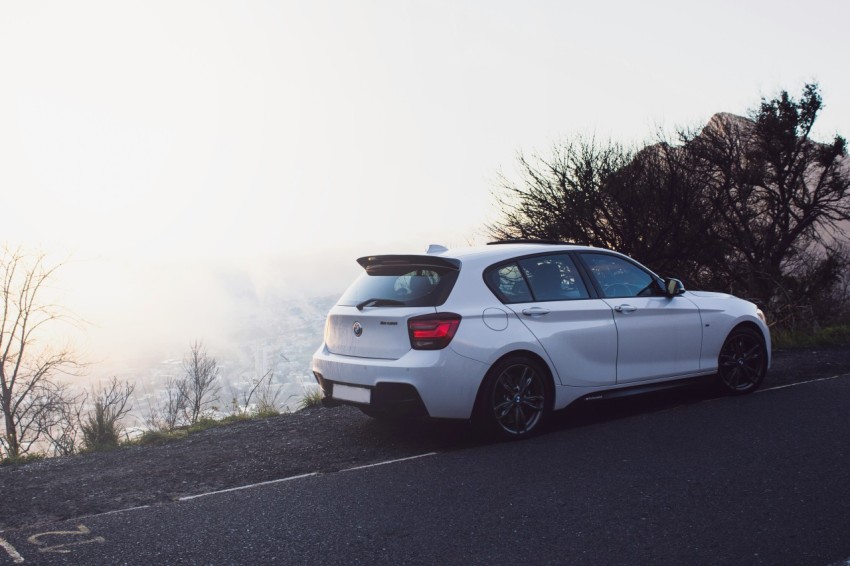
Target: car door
(657,336)
(549,297)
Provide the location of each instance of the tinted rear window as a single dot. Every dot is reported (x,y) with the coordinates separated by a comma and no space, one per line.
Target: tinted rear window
(411,285)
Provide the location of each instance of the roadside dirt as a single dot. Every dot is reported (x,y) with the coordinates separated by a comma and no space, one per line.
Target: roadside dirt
(313,440)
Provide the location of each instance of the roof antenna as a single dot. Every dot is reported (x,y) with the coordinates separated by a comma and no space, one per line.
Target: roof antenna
(436,249)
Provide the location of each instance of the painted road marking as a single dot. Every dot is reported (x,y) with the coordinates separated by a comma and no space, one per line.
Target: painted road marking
(390,462)
(241,487)
(10,550)
(81,531)
(113,512)
(291,478)
(801,383)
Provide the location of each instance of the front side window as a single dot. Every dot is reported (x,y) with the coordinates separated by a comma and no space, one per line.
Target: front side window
(619,278)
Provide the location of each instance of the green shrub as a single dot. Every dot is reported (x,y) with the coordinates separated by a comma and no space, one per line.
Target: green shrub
(153,437)
(102,426)
(236,418)
(100,431)
(312,398)
(204,423)
(829,335)
(264,412)
(20,460)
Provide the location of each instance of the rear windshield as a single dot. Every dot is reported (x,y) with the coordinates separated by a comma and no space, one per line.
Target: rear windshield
(402,285)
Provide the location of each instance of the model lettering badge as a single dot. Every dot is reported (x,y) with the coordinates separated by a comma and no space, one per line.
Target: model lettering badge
(358,329)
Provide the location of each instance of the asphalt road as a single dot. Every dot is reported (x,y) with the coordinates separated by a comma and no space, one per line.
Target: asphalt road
(761,479)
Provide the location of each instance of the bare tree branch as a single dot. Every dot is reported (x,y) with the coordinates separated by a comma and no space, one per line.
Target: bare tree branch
(28,394)
(199,386)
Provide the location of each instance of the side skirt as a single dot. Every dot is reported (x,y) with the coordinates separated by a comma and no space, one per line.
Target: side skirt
(645,388)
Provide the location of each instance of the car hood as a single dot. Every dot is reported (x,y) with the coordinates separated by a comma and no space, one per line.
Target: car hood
(710,295)
(721,302)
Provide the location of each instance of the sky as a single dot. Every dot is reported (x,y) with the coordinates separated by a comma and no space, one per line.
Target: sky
(169,151)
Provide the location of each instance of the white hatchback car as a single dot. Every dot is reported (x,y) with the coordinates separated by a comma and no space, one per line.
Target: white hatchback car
(504,334)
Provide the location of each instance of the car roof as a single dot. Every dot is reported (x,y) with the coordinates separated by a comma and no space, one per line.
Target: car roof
(504,251)
(480,257)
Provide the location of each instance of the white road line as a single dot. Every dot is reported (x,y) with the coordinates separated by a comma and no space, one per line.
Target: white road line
(10,550)
(249,486)
(389,462)
(15,556)
(115,511)
(801,383)
(302,476)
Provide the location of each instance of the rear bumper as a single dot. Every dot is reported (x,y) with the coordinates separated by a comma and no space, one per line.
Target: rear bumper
(436,383)
(391,399)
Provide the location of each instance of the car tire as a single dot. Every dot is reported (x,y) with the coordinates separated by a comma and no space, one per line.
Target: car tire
(515,398)
(742,363)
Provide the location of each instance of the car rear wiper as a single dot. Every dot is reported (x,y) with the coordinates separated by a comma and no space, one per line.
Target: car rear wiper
(380,303)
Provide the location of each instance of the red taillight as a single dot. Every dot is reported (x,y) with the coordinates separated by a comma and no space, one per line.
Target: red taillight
(432,331)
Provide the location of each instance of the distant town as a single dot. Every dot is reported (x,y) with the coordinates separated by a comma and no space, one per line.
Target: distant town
(268,354)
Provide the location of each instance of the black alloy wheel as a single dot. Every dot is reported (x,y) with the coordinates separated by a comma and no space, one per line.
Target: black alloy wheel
(515,400)
(742,363)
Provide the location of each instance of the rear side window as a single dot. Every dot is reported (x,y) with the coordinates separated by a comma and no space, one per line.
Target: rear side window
(539,278)
(553,278)
(508,284)
(401,285)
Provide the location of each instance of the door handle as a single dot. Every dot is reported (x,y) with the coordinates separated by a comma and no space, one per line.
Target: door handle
(625,308)
(535,311)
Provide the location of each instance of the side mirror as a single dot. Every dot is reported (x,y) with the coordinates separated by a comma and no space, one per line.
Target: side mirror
(673,287)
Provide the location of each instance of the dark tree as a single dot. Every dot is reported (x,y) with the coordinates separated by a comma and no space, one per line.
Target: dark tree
(749,205)
(648,203)
(777,197)
(563,197)
(665,218)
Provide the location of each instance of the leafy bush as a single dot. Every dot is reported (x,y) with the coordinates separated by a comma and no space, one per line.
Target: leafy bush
(102,426)
(829,335)
(155,437)
(312,398)
(100,432)
(22,459)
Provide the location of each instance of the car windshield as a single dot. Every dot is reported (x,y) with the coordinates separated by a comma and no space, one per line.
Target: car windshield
(401,285)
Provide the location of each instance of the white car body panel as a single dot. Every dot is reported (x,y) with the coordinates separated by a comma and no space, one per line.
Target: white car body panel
(721,313)
(384,331)
(580,338)
(660,338)
(446,381)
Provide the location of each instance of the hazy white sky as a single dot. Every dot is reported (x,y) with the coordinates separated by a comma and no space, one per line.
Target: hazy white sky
(135,136)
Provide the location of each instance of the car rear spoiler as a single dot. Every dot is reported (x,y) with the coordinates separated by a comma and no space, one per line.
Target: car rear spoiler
(379,262)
